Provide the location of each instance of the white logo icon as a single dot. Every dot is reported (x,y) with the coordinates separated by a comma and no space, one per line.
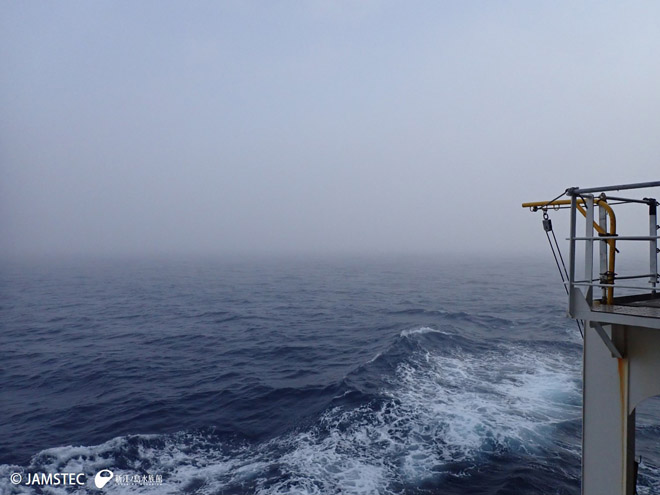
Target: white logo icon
(102,477)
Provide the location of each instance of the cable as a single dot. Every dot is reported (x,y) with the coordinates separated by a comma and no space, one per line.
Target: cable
(560,256)
(545,206)
(547,226)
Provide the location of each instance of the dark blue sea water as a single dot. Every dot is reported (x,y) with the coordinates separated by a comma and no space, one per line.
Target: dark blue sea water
(308,376)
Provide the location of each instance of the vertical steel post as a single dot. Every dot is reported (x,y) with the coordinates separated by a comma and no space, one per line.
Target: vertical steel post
(589,247)
(653,243)
(602,221)
(571,257)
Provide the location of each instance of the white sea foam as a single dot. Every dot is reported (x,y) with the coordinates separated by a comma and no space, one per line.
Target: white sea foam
(467,403)
(421,330)
(649,478)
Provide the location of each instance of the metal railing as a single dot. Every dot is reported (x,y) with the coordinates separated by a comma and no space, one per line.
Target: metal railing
(596,206)
(606,281)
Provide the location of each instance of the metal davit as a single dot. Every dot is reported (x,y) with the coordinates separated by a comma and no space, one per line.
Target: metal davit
(619,314)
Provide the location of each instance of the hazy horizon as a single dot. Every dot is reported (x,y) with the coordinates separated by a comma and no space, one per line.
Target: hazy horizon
(338,128)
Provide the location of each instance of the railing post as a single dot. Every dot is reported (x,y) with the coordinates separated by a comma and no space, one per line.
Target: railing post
(653,243)
(602,221)
(589,246)
(571,257)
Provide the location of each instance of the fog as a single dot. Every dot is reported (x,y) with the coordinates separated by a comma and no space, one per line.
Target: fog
(366,127)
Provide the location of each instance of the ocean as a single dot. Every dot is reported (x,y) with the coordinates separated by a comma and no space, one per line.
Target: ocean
(311,375)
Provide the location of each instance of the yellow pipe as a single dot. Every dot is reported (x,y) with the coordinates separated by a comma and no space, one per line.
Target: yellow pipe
(611,242)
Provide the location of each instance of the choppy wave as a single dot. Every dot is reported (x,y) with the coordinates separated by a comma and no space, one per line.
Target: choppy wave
(445,412)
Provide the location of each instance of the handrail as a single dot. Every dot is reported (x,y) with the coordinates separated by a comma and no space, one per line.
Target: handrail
(572,191)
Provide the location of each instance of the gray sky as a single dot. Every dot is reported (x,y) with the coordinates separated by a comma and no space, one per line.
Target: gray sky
(315,126)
